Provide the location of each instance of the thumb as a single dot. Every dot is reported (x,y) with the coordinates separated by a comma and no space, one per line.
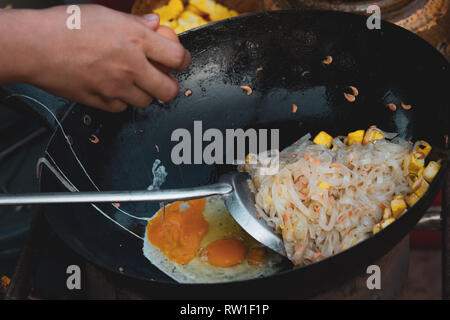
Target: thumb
(151,21)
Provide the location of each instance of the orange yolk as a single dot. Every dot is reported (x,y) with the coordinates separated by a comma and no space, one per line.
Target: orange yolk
(179,234)
(225,252)
(256,256)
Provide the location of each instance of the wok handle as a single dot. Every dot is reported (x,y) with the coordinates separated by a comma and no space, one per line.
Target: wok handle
(116,196)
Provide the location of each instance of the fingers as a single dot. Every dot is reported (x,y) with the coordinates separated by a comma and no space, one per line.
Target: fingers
(156,83)
(110,105)
(151,21)
(166,52)
(168,33)
(137,97)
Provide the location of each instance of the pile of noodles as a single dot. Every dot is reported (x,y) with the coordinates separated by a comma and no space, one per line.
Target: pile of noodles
(315,221)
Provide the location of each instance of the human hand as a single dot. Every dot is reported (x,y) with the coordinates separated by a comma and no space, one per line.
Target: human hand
(115,58)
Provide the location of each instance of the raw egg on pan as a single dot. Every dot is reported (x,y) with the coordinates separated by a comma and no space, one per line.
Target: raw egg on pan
(197,241)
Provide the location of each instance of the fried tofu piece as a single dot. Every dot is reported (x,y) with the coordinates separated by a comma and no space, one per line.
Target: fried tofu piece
(381,225)
(371,135)
(420,186)
(431,171)
(398,206)
(376,228)
(415,165)
(412,199)
(189,20)
(355,137)
(193,9)
(422,147)
(324,139)
(419,174)
(387,213)
(173,24)
(385,223)
(214,10)
(171,11)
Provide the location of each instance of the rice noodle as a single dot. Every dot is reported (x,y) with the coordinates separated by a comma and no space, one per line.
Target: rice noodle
(314,221)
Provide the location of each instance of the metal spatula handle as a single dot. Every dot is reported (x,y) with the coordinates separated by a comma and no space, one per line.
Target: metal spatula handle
(116,196)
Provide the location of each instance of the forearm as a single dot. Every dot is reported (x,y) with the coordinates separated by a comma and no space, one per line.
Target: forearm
(19,34)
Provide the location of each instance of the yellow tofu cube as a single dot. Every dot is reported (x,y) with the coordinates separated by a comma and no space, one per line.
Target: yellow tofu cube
(431,171)
(414,165)
(422,147)
(193,9)
(324,139)
(173,24)
(180,29)
(412,199)
(171,11)
(355,137)
(376,228)
(398,206)
(233,13)
(420,186)
(214,10)
(419,174)
(387,213)
(205,6)
(385,223)
(371,135)
(189,20)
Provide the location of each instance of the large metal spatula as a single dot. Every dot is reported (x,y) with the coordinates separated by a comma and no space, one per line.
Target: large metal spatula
(232,186)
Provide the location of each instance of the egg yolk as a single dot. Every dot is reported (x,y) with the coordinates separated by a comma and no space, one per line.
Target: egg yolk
(226,252)
(179,234)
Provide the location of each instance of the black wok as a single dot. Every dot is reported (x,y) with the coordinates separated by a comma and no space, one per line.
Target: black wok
(387,65)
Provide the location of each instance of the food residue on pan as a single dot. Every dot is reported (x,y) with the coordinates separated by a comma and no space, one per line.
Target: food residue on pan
(354,90)
(349,97)
(406,106)
(294,108)
(304,73)
(392,106)
(199,241)
(327,60)
(159,175)
(94,139)
(259,69)
(247,89)
(187,93)
(157,148)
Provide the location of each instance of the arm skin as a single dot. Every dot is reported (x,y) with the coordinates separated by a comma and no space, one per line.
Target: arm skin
(115,58)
